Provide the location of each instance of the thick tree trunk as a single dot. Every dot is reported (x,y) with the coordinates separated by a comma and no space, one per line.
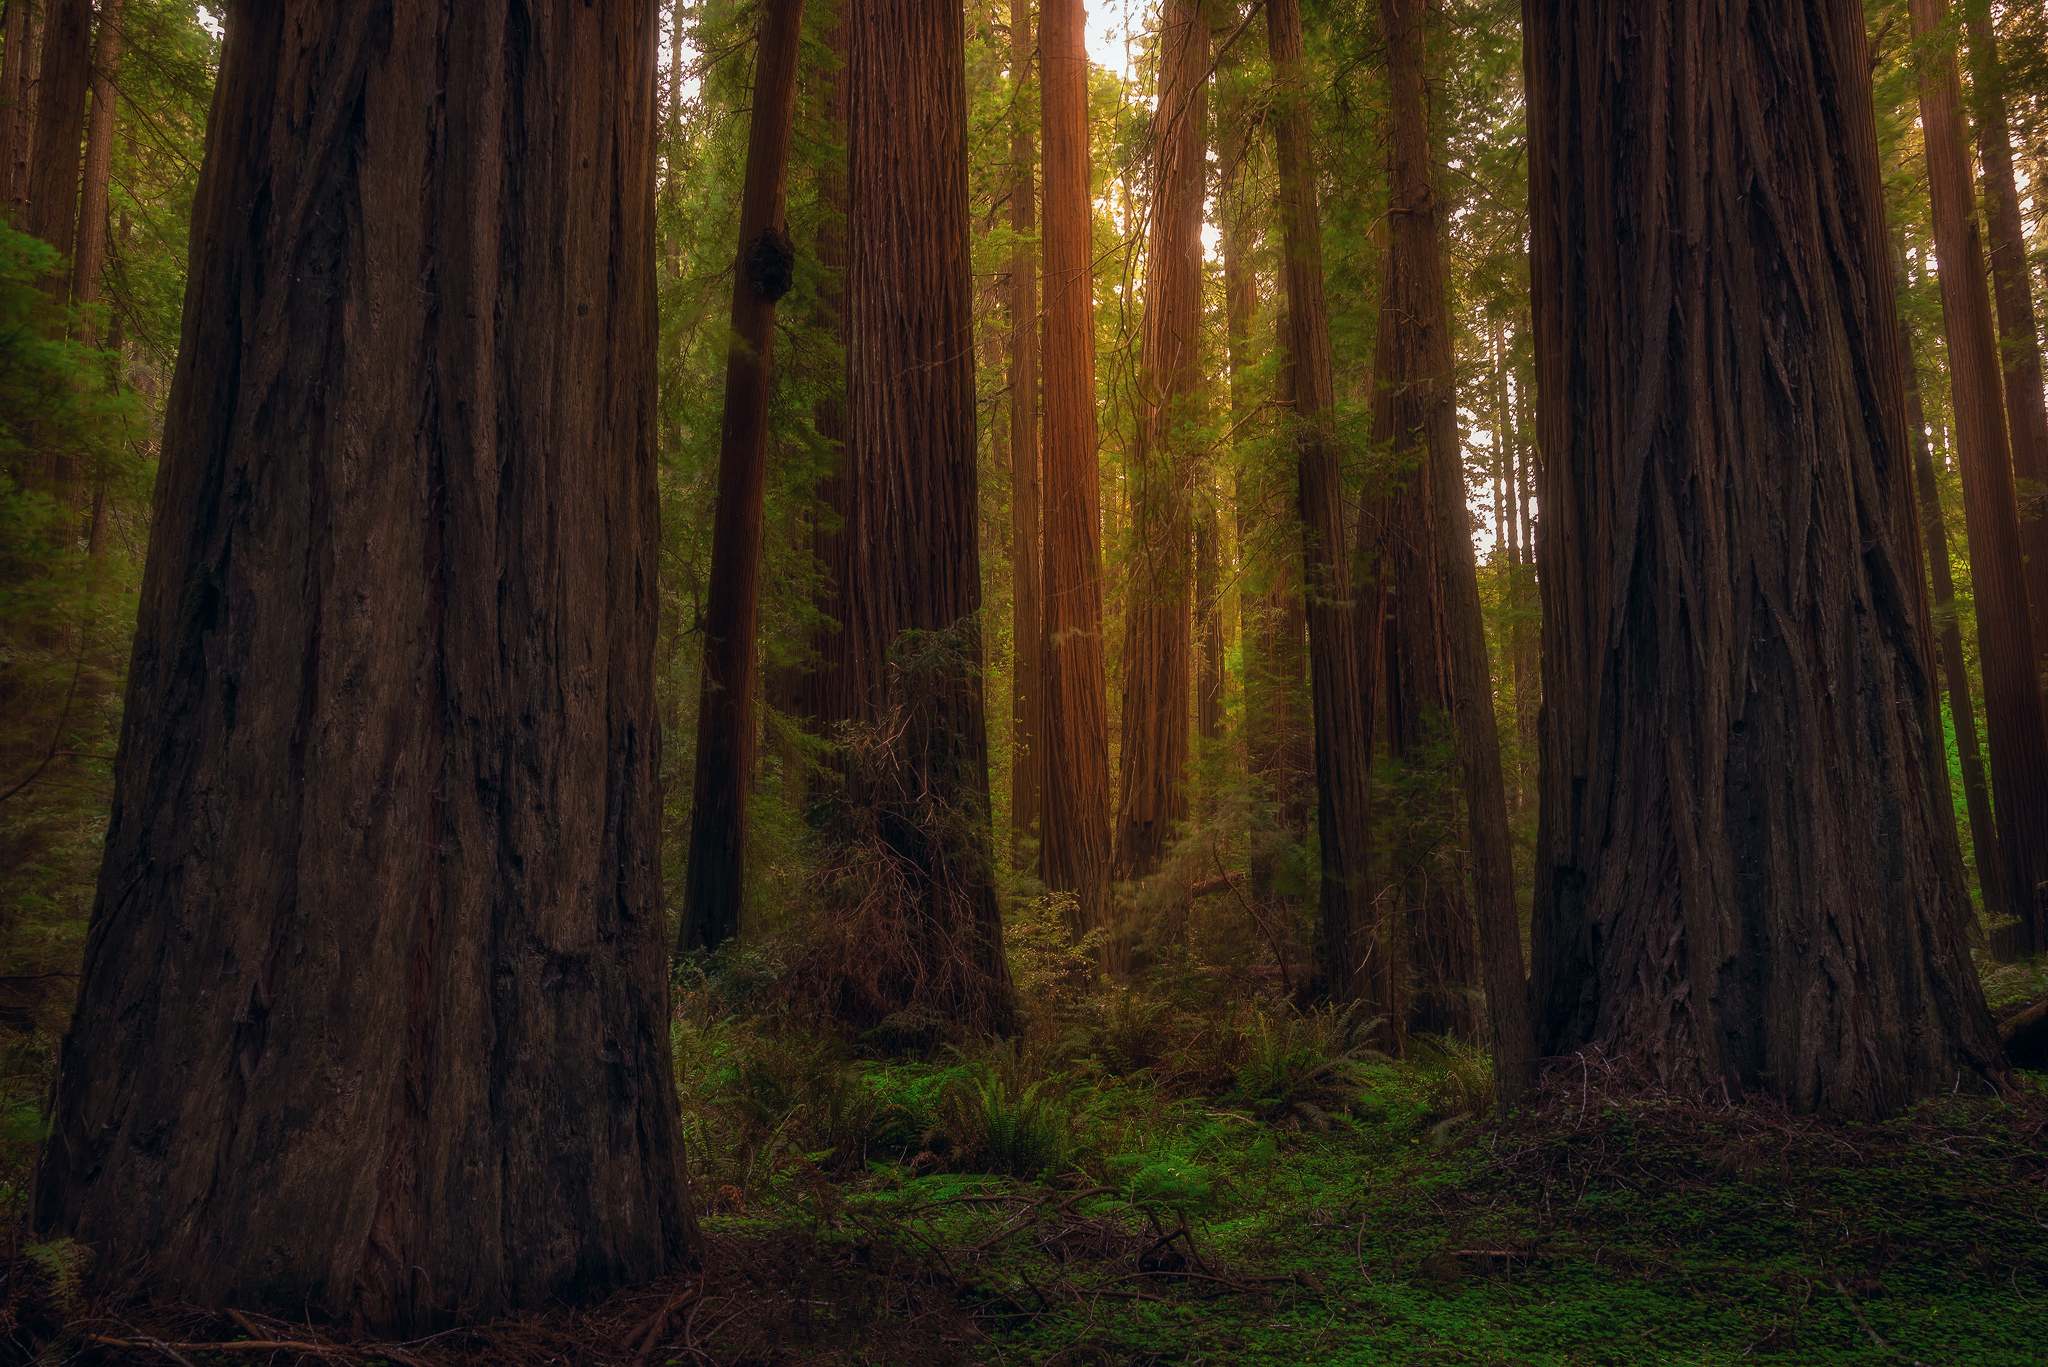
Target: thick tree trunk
(1027,622)
(99,158)
(1074,745)
(1158,644)
(60,127)
(1351,957)
(2019,341)
(372,1019)
(1747,875)
(912,573)
(714,888)
(15,122)
(2013,718)
(1934,534)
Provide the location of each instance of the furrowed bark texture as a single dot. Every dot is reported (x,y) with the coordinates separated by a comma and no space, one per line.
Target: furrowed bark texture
(1747,873)
(1027,622)
(1158,644)
(1352,962)
(60,127)
(14,110)
(2019,339)
(1074,846)
(910,551)
(99,157)
(715,886)
(2013,719)
(372,1019)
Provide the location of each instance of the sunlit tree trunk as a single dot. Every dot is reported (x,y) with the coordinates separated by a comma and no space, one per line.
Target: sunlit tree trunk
(372,1017)
(1747,875)
(1152,796)
(714,888)
(1074,745)
(1027,624)
(2013,719)
(2019,341)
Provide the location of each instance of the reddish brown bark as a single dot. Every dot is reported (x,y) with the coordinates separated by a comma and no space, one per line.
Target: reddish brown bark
(57,145)
(2019,341)
(1027,621)
(373,1016)
(714,888)
(15,122)
(1158,644)
(99,157)
(2013,720)
(1074,820)
(1747,875)
(1352,961)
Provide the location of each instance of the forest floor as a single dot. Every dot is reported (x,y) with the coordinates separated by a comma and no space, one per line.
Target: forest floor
(1174,1180)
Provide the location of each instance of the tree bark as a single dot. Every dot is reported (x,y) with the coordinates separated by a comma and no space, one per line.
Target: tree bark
(1934,534)
(14,110)
(1158,645)
(1074,820)
(714,888)
(2013,718)
(912,586)
(1352,961)
(99,158)
(1747,875)
(1027,621)
(372,1019)
(1208,610)
(2019,340)
(60,127)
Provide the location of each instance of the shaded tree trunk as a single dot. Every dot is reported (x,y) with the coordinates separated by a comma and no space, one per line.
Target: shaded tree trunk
(714,888)
(1158,645)
(1351,959)
(372,1019)
(15,124)
(99,158)
(2019,341)
(818,689)
(1747,875)
(1074,745)
(1208,610)
(60,127)
(1027,622)
(2013,718)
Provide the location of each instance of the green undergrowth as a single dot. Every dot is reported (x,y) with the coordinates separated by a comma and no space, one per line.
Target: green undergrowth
(1156,1181)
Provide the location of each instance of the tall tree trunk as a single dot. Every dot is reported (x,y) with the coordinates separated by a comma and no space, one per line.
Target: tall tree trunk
(1747,875)
(372,1019)
(1351,960)
(820,689)
(99,158)
(14,109)
(1027,622)
(1934,534)
(714,888)
(2019,341)
(1152,797)
(1208,609)
(1074,745)
(912,585)
(2013,719)
(60,127)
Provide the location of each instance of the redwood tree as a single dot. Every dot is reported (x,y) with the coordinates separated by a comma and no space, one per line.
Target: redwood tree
(1747,875)
(372,1018)
(2013,718)
(1158,645)
(714,888)
(1027,625)
(16,31)
(60,127)
(1074,741)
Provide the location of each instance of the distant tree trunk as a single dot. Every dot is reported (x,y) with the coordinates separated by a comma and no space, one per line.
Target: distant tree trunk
(99,158)
(819,689)
(1352,960)
(714,888)
(60,127)
(912,586)
(1074,746)
(372,1020)
(1152,797)
(1934,534)
(1747,875)
(1027,622)
(2013,719)
(1208,610)
(2019,341)
(14,110)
